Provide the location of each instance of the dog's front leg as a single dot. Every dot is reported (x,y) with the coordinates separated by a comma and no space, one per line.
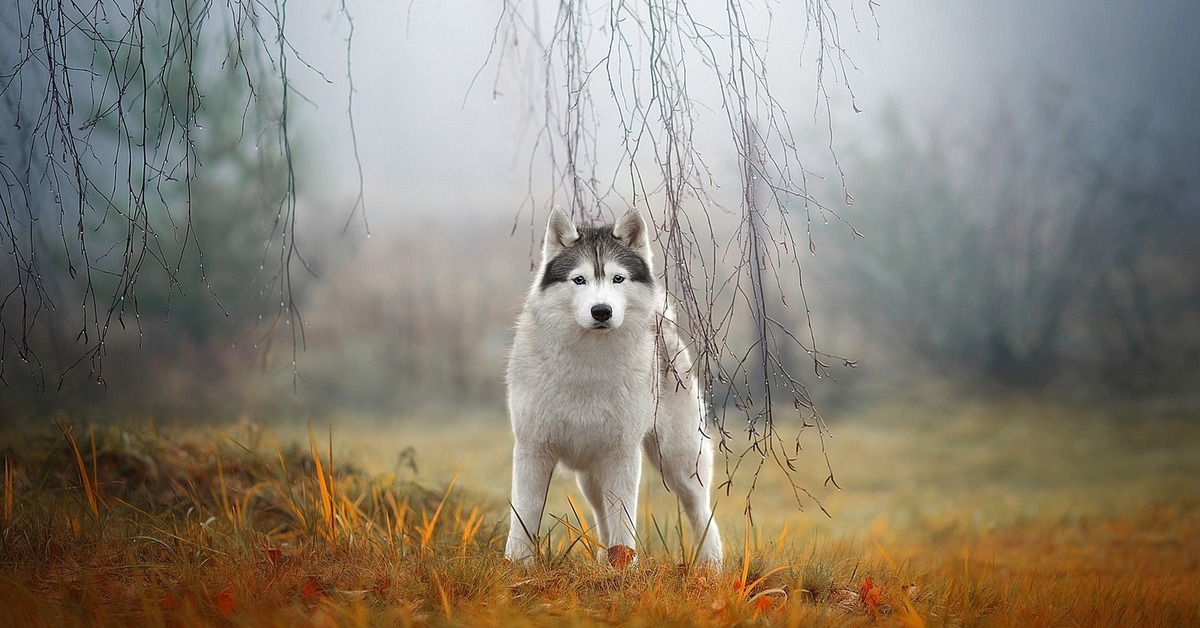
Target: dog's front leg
(618,481)
(532,469)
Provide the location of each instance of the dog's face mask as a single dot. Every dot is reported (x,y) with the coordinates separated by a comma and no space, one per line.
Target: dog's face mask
(598,295)
(602,271)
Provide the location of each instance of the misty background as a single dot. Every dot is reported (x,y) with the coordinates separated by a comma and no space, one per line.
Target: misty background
(1023,175)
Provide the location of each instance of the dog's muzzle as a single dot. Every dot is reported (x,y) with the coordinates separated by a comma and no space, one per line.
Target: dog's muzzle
(601,313)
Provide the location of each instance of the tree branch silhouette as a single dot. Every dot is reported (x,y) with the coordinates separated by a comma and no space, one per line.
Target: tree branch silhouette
(105,105)
(613,86)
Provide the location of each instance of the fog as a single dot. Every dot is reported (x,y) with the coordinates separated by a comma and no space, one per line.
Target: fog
(433,135)
(940,112)
(446,131)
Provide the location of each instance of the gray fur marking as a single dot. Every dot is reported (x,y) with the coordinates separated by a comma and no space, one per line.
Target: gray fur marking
(595,244)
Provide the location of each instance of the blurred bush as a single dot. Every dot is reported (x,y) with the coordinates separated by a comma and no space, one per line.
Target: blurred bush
(423,316)
(1028,243)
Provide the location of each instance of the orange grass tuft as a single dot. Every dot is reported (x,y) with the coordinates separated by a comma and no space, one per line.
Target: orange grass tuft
(326,486)
(88,481)
(8,490)
(429,523)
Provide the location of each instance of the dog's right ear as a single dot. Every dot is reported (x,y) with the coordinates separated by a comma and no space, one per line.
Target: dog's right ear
(560,233)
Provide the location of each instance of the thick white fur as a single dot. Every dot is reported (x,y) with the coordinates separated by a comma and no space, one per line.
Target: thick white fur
(594,400)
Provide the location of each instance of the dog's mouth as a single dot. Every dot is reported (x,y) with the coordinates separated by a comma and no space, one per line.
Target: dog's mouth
(601,326)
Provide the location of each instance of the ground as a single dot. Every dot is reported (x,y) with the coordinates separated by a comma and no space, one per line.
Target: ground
(1005,511)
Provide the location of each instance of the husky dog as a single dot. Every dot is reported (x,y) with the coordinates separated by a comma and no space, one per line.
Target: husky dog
(597,374)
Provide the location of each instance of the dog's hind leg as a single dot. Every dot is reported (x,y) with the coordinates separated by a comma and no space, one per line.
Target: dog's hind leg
(685,462)
(532,469)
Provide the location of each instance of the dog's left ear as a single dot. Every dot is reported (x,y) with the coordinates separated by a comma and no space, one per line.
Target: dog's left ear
(631,230)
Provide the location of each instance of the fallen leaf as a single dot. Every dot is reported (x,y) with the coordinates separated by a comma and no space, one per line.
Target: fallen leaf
(621,556)
(311,589)
(872,597)
(224,602)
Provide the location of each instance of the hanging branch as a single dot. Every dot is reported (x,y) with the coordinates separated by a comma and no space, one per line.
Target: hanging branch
(623,125)
(104,106)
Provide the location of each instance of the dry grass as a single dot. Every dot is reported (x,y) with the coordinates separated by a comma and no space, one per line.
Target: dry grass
(1001,513)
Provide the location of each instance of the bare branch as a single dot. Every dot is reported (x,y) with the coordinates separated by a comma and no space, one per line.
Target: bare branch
(620,92)
(110,103)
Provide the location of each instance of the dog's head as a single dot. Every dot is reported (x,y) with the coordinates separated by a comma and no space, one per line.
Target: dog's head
(601,273)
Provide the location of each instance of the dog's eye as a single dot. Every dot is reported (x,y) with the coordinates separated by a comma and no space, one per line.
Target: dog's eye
(579,280)
(618,278)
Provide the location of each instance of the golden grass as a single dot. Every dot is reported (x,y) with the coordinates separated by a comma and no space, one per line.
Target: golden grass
(1013,512)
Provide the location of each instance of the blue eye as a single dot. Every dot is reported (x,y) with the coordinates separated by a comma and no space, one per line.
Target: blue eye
(618,278)
(579,280)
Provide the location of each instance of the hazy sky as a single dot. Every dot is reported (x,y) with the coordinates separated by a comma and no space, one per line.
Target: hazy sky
(429,142)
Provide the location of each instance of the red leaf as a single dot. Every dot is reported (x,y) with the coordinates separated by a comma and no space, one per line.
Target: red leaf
(871,595)
(224,602)
(621,556)
(312,588)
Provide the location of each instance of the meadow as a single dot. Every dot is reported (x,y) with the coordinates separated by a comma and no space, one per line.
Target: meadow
(960,511)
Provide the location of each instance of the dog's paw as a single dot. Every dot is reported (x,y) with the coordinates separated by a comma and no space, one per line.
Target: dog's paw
(621,556)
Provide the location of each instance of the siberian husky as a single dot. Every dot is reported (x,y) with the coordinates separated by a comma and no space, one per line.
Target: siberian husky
(597,375)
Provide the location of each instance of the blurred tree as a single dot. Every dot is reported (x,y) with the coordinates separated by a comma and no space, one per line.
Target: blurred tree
(1015,242)
(147,143)
(221,217)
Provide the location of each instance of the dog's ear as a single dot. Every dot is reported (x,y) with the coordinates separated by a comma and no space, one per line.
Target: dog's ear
(560,233)
(631,230)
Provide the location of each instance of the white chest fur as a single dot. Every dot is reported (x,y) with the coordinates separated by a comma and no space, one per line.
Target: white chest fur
(581,395)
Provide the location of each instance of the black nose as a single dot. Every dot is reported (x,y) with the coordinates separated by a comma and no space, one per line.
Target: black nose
(601,312)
